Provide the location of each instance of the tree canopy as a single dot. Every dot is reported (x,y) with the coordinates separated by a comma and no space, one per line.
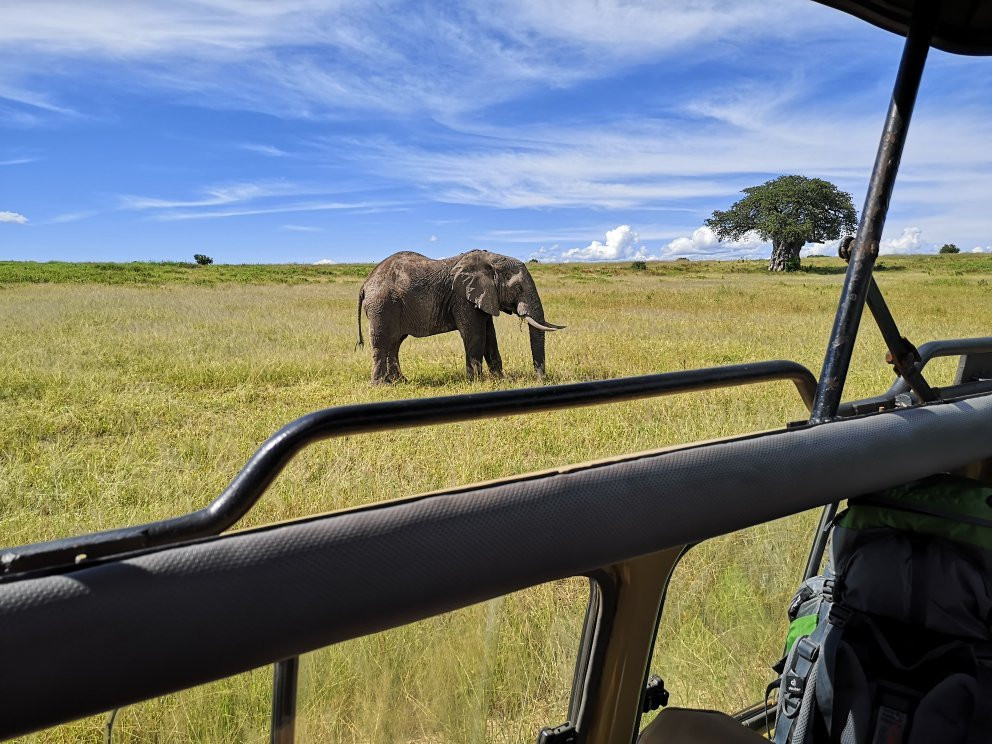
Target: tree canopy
(790,211)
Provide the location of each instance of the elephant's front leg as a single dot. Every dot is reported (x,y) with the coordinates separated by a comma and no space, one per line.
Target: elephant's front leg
(493,359)
(474,337)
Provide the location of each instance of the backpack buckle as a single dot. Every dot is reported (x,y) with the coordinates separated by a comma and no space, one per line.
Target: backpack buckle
(807,649)
(839,615)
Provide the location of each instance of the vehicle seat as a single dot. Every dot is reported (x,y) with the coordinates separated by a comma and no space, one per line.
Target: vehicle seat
(685,725)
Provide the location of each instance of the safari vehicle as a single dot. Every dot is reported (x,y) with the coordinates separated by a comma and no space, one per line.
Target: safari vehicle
(99,621)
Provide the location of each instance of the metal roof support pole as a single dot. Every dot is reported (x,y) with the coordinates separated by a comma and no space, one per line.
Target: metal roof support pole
(284,682)
(858,279)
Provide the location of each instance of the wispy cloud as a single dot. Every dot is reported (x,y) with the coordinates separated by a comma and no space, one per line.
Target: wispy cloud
(660,161)
(302,228)
(13,217)
(72,217)
(307,58)
(17,161)
(215,196)
(269,150)
(319,206)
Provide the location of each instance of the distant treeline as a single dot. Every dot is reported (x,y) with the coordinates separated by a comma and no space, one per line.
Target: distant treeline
(159,273)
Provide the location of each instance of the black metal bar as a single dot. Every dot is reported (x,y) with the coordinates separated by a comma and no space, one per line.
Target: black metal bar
(263,467)
(927,351)
(865,251)
(903,356)
(816,551)
(284,683)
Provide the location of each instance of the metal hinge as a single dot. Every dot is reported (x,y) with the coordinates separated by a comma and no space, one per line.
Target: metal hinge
(563,734)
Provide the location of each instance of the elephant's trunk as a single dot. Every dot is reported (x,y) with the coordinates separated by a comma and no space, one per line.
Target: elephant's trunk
(537,350)
(533,312)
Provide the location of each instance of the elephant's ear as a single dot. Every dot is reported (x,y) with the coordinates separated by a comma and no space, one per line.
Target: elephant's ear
(475,279)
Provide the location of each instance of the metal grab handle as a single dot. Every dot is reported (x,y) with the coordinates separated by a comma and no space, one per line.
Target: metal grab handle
(263,467)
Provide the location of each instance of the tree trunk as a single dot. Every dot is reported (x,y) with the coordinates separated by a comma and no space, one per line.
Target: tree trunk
(785,255)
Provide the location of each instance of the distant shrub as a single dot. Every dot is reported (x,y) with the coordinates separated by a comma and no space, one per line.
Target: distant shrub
(533,260)
(682,259)
(202,260)
(639,266)
(949,248)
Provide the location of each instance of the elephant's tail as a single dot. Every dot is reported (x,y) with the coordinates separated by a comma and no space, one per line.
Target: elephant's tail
(361,301)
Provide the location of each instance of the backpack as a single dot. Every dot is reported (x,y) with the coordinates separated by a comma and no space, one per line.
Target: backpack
(893,643)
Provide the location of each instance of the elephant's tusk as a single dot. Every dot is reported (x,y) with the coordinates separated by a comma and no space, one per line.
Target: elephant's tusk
(542,326)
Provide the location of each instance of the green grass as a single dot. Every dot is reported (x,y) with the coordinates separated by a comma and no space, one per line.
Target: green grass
(135,392)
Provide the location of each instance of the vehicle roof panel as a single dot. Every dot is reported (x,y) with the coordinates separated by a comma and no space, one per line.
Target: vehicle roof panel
(963,26)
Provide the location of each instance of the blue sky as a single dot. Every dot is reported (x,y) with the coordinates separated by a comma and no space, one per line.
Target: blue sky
(347,130)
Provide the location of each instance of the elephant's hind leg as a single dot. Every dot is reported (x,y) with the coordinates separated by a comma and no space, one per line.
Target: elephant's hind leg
(380,368)
(393,372)
(385,359)
(493,360)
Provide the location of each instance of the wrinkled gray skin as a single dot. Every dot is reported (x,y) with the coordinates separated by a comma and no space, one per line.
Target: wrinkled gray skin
(412,295)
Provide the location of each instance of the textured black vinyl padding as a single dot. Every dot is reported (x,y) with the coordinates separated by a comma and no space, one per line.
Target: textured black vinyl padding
(137,627)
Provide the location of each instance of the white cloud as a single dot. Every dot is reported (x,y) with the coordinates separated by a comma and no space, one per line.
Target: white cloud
(979,249)
(910,241)
(703,240)
(324,262)
(621,244)
(14,217)
(302,228)
(433,238)
(704,244)
(17,161)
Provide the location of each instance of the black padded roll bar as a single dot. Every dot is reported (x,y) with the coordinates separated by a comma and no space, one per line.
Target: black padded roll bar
(130,628)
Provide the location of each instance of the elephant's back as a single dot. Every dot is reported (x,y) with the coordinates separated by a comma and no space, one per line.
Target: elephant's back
(403,273)
(409,289)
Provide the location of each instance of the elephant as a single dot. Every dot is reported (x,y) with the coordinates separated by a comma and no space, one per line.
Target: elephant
(411,295)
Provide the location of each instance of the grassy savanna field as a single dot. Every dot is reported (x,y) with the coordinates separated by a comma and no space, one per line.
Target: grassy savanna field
(135,392)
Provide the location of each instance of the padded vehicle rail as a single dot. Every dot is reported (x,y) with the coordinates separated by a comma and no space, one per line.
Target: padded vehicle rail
(131,628)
